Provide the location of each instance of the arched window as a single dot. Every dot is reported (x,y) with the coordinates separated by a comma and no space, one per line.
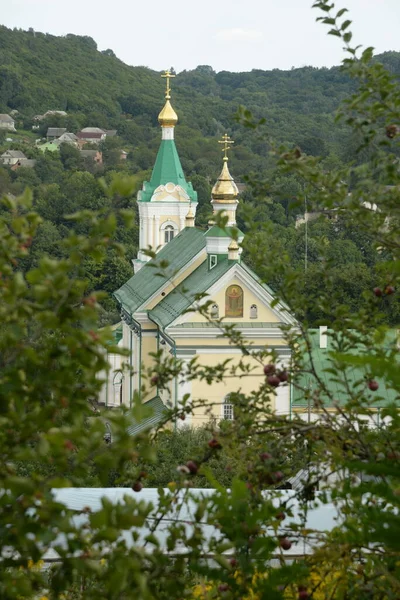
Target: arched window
(227,409)
(117,384)
(253,311)
(169,233)
(214,312)
(234,301)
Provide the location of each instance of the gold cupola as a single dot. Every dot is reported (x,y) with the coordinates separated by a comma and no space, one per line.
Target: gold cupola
(225,189)
(168,117)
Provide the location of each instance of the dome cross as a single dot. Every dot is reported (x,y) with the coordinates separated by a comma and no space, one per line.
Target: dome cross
(226,140)
(168,75)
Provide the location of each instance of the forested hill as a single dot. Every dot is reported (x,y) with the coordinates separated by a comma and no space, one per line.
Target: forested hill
(39,72)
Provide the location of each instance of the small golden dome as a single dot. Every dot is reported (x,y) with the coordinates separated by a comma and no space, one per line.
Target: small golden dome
(233,245)
(168,117)
(189,219)
(225,188)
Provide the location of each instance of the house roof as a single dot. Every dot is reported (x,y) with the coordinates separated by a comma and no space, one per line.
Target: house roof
(67,137)
(56,131)
(167,169)
(92,130)
(50,146)
(28,163)
(157,410)
(183,296)
(13,154)
(110,132)
(177,253)
(89,135)
(356,375)
(6,118)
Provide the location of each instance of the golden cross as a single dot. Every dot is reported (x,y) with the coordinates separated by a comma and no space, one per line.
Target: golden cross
(168,75)
(226,140)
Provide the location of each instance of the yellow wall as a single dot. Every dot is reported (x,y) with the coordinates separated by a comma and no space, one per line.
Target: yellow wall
(265,314)
(216,392)
(149,344)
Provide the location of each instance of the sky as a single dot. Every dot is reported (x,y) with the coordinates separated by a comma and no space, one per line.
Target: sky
(234,35)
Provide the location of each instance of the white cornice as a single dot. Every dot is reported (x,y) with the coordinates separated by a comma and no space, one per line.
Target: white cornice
(248,333)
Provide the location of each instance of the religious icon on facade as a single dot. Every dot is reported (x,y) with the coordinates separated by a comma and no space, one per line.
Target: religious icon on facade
(234,301)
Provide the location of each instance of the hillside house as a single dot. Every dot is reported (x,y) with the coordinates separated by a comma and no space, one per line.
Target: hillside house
(67,138)
(50,113)
(91,135)
(53,133)
(11,157)
(27,163)
(7,123)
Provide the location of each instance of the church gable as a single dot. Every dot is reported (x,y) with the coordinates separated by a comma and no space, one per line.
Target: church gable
(238,297)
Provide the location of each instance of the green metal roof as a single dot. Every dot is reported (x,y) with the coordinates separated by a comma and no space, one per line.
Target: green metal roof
(177,253)
(167,169)
(158,410)
(321,360)
(183,296)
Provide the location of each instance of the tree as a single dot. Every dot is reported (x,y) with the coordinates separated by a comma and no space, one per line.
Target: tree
(52,356)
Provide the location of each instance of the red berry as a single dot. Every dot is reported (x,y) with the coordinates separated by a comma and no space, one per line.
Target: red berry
(233,562)
(182,417)
(223,587)
(137,486)
(193,468)
(214,444)
(281,516)
(373,385)
(269,369)
(303,595)
(389,290)
(285,544)
(265,456)
(378,292)
(278,476)
(273,380)
(154,380)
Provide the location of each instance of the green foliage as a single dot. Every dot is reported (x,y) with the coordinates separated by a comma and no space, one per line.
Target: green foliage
(52,356)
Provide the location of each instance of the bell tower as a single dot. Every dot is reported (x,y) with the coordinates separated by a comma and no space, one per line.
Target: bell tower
(167,198)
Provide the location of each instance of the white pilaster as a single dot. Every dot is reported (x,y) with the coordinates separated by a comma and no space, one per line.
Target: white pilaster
(157,231)
(184,387)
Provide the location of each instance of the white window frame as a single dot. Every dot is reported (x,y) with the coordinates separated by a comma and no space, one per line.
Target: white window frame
(227,409)
(254,308)
(213,261)
(168,227)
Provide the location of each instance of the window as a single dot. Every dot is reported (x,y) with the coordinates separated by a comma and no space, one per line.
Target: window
(234,301)
(169,233)
(227,409)
(253,311)
(117,383)
(214,312)
(213,260)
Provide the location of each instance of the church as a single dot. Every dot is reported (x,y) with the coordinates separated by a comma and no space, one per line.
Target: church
(157,309)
